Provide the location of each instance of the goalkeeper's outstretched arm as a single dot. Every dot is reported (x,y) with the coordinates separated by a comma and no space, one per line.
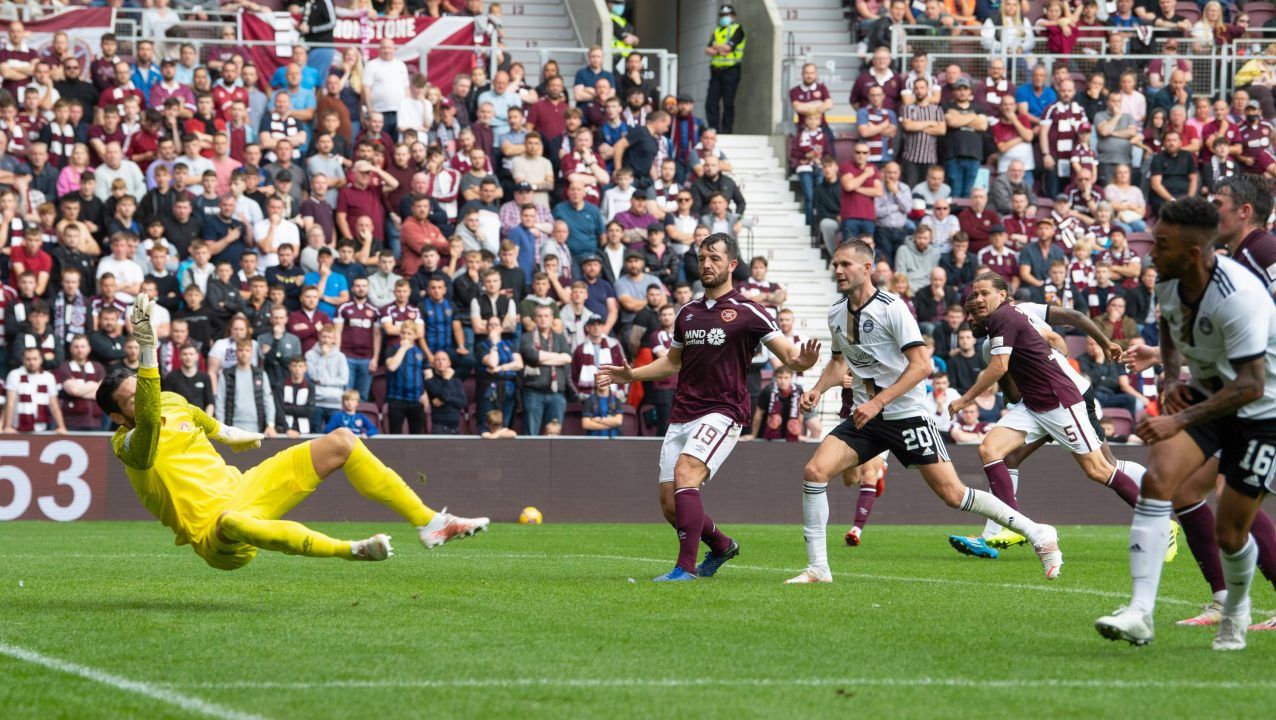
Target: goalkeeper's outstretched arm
(141,442)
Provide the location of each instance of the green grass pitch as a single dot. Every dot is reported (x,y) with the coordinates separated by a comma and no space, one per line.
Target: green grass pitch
(110,620)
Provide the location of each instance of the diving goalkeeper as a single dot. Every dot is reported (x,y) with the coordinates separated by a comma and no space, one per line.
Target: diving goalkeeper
(226,515)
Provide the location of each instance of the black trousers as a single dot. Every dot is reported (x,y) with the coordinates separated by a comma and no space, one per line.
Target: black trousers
(662,401)
(413,412)
(723,83)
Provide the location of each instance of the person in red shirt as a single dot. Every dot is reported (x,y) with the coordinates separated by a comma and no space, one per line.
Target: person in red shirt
(978,219)
(547,115)
(228,90)
(306,322)
(30,257)
(362,198)
(142,147)
(861,182)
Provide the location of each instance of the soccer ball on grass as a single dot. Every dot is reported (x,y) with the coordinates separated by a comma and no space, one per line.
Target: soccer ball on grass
(530,516)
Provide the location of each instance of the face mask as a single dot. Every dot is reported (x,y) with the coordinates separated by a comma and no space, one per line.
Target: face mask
(617,8)
(724,21)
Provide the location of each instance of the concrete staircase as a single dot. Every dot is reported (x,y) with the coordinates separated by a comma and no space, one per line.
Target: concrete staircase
(534,24)
(812,27)
(780,234)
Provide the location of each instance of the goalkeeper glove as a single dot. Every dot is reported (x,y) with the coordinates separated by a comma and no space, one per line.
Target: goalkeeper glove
(142,330)
(238,440)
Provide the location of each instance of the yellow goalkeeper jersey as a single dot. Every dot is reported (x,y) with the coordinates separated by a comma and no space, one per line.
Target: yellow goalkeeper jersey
(172,465)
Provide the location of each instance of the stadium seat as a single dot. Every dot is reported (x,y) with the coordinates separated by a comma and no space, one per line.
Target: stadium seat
(372,411)
(1076,345)
(632,426)
(571,422)
(1140,243)
(1122,420)
(377,393)
(1261,15)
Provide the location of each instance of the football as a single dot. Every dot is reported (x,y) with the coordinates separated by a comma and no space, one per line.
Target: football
(530,516)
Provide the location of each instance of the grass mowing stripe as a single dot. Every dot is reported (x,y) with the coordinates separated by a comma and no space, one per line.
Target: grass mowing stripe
(602,683)
(165,695)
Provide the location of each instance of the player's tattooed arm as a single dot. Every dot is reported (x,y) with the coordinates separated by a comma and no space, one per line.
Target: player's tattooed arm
(1174,395)
(1245,389)
(1082,322)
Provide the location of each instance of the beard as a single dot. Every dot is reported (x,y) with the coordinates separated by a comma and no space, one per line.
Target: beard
(719,281)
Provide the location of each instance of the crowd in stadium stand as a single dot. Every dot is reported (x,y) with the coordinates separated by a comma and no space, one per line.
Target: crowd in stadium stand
(345,244)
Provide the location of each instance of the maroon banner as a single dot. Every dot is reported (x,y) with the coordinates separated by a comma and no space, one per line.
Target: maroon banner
(45,477)
(414,35)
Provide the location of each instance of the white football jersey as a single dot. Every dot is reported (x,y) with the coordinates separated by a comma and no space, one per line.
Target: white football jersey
(1235,321)
(873,339)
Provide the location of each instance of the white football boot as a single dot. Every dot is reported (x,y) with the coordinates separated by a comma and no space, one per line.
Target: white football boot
(374,548)
(1208,617)
(446,527)
(1047,547)
(1231,632)
(810,576)
(1126,624)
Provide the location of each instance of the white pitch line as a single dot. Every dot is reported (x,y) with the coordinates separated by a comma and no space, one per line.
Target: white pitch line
(940,682)
(158,693)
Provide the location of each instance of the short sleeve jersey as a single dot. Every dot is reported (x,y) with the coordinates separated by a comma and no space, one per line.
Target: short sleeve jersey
(1041,382)
(1037,314)
(1234,322)
(1257,252)
(874,338)
(717,339)
(358,323)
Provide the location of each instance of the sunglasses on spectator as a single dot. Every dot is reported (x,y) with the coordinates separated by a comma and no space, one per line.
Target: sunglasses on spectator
(861,152)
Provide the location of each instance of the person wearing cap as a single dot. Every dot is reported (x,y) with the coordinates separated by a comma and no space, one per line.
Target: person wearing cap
(725,51)
(964,141)
(631,289)
(600,294)
(662,259)
(596,350)
(361,198)
(685,134)
(1035,259)
(637,218)
(168,87)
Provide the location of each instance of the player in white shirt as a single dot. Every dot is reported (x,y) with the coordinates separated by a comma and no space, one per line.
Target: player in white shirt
(876,337)
(1218,319)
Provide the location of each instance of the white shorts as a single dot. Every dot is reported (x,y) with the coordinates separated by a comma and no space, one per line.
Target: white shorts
(709,439)
(1070,427)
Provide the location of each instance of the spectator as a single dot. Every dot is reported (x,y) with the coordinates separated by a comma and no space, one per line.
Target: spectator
(350,418)
(332,287)
(79,377)
(1117,133)
(933,190)
(584,222)
(1110,382)
(1016,179)
(1011,35)
(244,399)
(1034,98)
(1013,133)
(922,122)
(916,259)
(547,358)
(718,217)
(945,333)
(385,85)
(805,150)
(115,166)
(1116,324)
(1126,200)
(446,395)
(878,126)
(359,337)
(601,413)
(943,225)
(715,182)
(1035,259)
(405,384)
(631,289)
(965,363)
(964,141)
(1173,173)
(977,220)
(1060,126)
(959,264)
(31,393)
(995,87)
(496,429)
(878,75)
(501,366)
(381,282)
(1094,300)
(827,204)
(189,381)
(760,290)
(779,404)
(967,428)
(107,342)
(810,97)
(363,199)
(575,314)
(941,395)
(329,371)
(306,321)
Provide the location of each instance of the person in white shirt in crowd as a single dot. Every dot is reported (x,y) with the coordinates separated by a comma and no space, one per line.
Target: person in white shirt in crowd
(385,85)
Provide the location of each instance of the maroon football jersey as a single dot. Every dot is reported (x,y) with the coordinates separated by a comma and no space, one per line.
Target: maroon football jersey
(1257,252)
(1041,382)
(358,322)
(717,338)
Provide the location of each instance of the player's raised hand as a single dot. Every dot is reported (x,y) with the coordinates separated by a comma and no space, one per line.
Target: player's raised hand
(808,354)
(1141,357)
(614,375)
(238,440)
(1114,351)
(140,317)
(809,400)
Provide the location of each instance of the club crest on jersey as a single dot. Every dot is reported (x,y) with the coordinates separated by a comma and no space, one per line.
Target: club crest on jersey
(1207,327)
(728,314)
(867,326)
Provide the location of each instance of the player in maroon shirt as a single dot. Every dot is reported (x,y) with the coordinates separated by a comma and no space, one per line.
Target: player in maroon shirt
(713,343)
(359,330)
(1051,402)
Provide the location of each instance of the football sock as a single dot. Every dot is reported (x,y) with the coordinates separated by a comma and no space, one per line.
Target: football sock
(1000,484)
(283,536)
(690,510)
(1149,535)
(377,482)
(986,505)
(991,528)
(863,508)
(1124,487)
(710,535)
(815,518)
(1239,570)
(1133,469)
(1198,528)
(1264,534)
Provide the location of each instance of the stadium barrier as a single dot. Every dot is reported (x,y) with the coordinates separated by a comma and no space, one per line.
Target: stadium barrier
(571,480)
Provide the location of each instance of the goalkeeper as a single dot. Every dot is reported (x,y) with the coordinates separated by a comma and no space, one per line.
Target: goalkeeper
(226,515)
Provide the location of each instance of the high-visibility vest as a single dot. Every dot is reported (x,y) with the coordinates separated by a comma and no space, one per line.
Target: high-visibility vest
(720,36)
(618,45)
